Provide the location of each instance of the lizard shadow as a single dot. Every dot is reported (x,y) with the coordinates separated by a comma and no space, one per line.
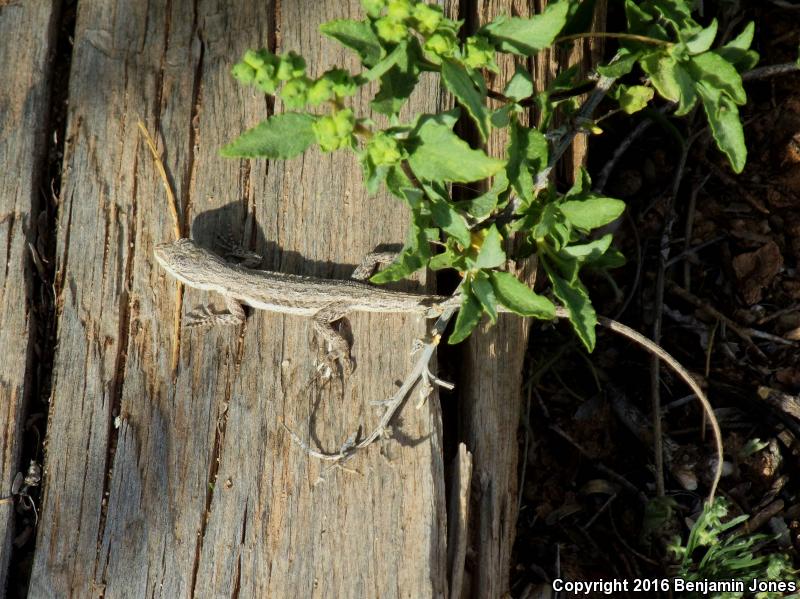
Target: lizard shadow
(234,222)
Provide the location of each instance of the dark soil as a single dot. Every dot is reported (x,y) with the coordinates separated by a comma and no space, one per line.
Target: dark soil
(732,245)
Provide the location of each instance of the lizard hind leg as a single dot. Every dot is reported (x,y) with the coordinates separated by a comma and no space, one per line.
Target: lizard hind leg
(338,346)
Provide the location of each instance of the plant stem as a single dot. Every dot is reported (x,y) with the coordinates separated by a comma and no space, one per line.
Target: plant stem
(608,34)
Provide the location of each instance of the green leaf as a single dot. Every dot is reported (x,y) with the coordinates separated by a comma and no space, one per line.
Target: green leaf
(397,55)
(527,155)
(519,298)
(458,81)
(491,253)
(483,290)
(356,35)
(373,175)
(634,98)
(576,300)
(592,213)
(701,41)
(726,126)
(671,80)
(580,17)
(520,86)
(588,251)
(399,81)
(412,257)
(624,63)
(468,316)
(482,206)
(438,154)
(527,36)
(737,51)
(445,214)
(280,136)
(676,12)
(714,71)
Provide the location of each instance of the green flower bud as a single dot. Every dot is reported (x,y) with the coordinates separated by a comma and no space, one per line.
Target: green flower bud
(295,92)
(440,45)
(384,150)
(325,131)
(266,84)
(373,7)
(259,58)
(479,53)
(292,65)
(321,91)
(391,30)
(427,17)
(243,73)
(342,81)
(399,10)
(345,122)
(336,131)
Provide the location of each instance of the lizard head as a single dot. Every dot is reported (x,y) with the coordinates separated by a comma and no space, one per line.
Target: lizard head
(182,258)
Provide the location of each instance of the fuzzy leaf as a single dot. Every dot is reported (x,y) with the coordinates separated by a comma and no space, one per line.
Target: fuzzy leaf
(280,136)
(671,80)
(458,81)
(446,216)
(701,40)
(356,35)
(737,51)
(592,213)
(491,253)
(714,71)
(399,81)
(523,36)
(438,154)
(468,316)
(412,257)
(588,251)
(519,298)
(726,126)
(483,290)
(520,86)
(634,98)
(576,300)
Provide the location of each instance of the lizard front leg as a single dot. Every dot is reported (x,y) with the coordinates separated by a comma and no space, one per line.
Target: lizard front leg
(204,317)
(325,333)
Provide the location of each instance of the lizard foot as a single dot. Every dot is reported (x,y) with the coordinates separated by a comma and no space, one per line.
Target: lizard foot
(234,251)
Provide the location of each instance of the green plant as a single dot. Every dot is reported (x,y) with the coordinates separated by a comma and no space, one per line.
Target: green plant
(719,551)
(418,161)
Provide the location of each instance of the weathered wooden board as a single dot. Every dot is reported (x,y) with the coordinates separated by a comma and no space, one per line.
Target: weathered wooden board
(491,382)
(24,110)
(168,472)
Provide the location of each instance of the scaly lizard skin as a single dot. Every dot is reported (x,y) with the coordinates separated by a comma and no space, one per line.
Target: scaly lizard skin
(325,300)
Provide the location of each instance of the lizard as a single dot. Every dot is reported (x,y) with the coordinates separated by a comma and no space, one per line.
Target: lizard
(326,301)
(329,300)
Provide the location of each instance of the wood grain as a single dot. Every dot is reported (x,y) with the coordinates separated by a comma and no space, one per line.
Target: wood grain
(24,109)
(493,359)
(168,473)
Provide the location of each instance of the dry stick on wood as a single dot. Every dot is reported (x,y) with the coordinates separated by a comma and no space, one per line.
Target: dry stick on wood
(421,371)
(172,203)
